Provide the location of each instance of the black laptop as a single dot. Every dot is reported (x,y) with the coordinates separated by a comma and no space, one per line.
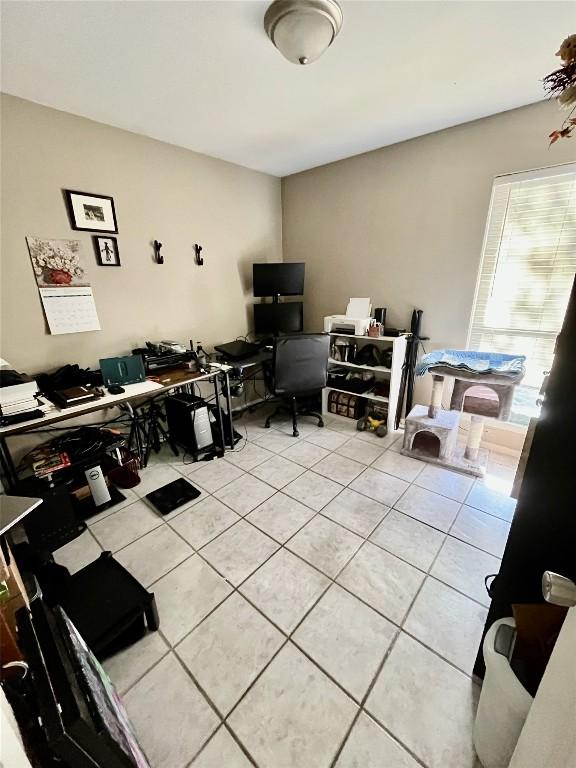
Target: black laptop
(173,495)
(238,350)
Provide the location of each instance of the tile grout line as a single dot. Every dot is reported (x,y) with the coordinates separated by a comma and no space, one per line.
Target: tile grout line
(168,522)
(234,588)
(186,508)
(218,535)
(172,649)
(286,641)
(381,667)
(234,735)
(223,726)
(289,638)
(399,557)
(245,517)
(149,669)
(377,675)
(489,514)
(208,700)
(332,581)
(124,546)
(93,538)
(169,645)
(379,671)
(361,710)
(463,501)
(403,559)
(282,546)
(454,536)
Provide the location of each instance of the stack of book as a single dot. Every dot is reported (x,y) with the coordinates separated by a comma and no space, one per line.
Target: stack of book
(45,462)
(18,392)
(66,398)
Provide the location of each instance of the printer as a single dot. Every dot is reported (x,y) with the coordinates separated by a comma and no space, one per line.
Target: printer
(355,322)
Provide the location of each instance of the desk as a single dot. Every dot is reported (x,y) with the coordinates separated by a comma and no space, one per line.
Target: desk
(218,373)
(259,359)
(246,370)
(13,509)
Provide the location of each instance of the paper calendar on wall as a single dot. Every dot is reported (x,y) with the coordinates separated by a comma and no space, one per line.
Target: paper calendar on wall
(70,310)
(67,298)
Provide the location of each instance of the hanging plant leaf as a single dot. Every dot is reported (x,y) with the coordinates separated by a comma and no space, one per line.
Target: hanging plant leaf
(561,84)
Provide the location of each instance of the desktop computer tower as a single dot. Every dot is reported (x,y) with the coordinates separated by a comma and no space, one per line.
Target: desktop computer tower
(189,422)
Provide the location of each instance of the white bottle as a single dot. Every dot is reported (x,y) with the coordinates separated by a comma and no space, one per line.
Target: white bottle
(98,487)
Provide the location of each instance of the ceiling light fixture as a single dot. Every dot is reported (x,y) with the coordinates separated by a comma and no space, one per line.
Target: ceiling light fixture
(303,29)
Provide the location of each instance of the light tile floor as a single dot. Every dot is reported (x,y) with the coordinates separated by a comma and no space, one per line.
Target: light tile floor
(320,604)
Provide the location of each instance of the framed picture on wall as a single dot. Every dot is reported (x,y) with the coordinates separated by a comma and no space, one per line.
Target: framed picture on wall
(107,251)
(91,213)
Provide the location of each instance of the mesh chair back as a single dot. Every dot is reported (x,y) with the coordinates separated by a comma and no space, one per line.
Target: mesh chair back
(301,363)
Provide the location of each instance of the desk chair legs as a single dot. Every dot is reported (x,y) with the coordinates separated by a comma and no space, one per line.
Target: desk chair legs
(294,411)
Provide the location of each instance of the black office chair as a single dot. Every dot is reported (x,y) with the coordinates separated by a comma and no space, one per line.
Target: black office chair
(300,370)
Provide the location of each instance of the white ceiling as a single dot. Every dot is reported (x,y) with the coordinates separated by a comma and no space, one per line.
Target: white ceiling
(203,75)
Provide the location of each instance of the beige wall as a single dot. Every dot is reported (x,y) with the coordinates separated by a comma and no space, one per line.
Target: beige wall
(160,191)
(404,224)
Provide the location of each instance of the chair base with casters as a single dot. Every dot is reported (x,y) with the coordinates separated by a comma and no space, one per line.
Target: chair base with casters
(292,409)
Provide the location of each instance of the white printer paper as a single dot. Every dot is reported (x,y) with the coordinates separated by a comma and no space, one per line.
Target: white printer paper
(359,308)
(70,310)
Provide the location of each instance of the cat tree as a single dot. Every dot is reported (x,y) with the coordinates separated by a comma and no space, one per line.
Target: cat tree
(431,433)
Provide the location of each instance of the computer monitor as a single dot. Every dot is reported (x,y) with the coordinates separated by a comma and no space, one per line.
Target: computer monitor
(271,319)
(278,279)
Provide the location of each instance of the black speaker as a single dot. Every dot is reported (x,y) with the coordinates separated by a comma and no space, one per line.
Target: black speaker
(380,315)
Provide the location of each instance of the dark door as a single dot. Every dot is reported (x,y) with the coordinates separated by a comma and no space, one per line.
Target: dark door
(543,532)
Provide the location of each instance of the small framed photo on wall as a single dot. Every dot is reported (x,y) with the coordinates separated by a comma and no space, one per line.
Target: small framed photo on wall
(91,213)
(107,251)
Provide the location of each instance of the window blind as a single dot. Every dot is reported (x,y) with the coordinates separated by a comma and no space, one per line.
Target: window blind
(527,267)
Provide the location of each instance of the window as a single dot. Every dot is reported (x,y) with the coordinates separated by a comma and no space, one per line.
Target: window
(526,273)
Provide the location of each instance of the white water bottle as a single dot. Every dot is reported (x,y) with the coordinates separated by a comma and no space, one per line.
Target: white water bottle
(98,487)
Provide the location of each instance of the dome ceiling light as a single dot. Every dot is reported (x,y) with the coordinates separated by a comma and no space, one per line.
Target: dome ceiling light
(303,29)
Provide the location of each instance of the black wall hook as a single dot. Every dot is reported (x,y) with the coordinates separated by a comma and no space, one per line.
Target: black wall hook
(157,255)
(197,257)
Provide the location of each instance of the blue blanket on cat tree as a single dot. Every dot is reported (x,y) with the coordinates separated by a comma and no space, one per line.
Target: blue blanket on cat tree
(475,362)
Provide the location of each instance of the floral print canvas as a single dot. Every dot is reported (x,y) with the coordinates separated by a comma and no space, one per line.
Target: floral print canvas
(56,262)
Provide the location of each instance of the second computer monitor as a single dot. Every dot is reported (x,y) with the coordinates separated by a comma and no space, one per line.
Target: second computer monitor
(278,279)
(271,319)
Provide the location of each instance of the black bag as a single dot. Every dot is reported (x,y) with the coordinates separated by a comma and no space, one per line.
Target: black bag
(66,377)
(369,354)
